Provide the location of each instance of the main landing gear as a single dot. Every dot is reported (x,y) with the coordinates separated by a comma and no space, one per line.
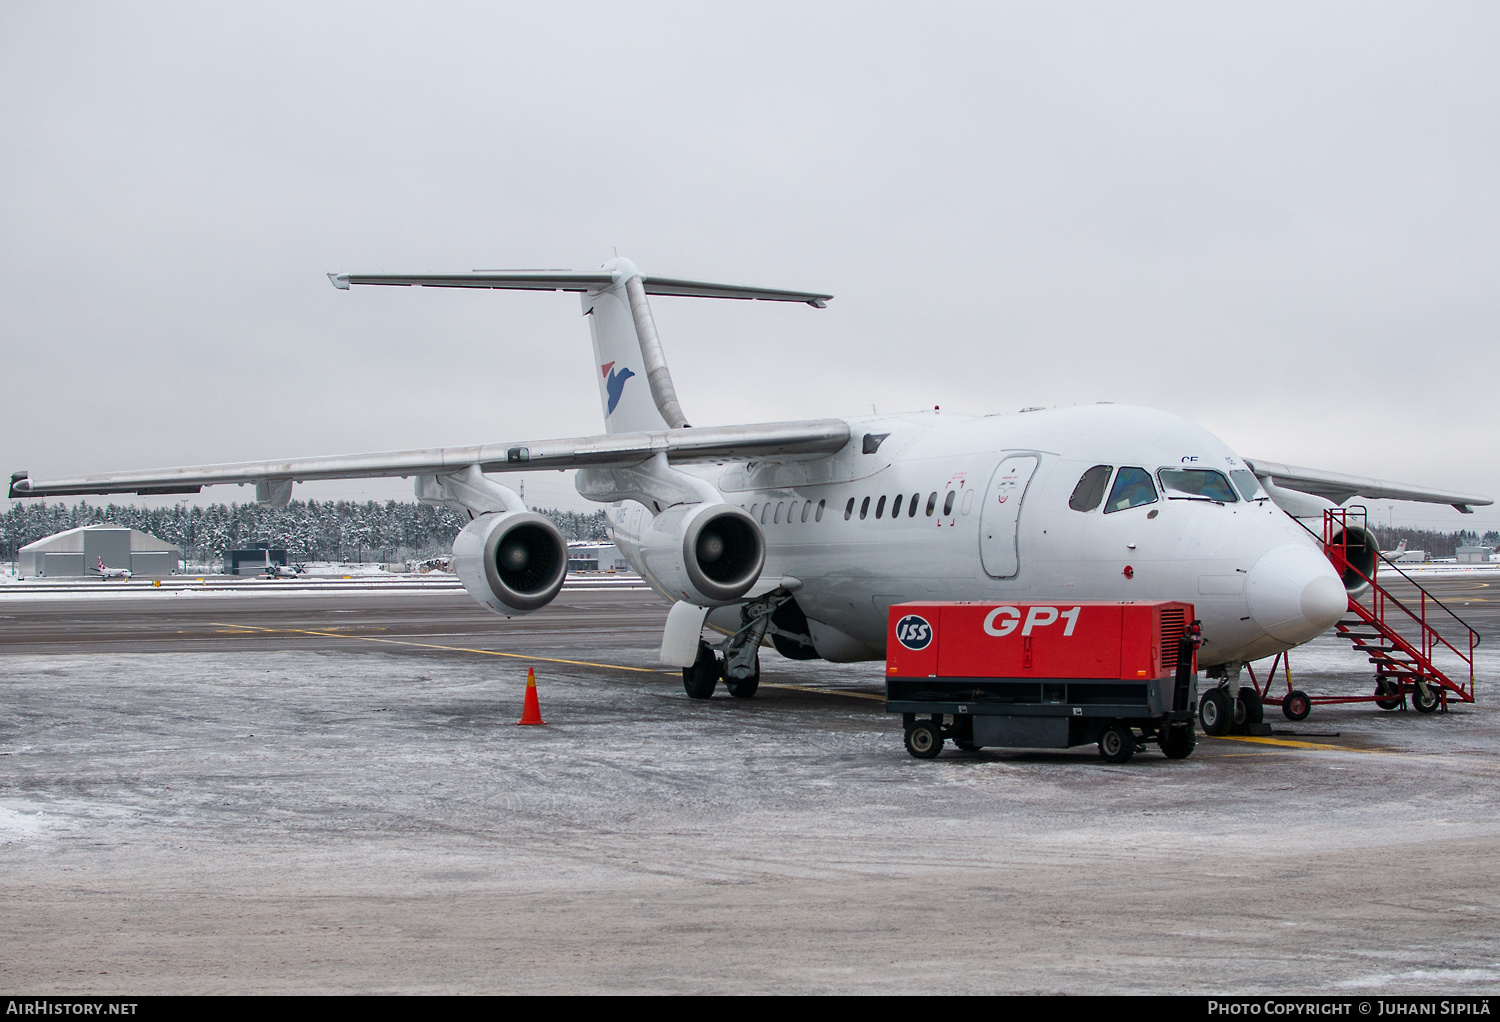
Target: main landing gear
(1222,711)
(736,659)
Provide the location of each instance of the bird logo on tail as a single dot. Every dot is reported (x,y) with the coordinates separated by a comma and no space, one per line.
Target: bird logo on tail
(614,384)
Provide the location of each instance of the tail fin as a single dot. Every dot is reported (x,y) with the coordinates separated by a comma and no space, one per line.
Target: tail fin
(626,394)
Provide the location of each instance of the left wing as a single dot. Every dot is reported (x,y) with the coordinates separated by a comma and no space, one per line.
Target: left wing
(1338,487)
(816,437)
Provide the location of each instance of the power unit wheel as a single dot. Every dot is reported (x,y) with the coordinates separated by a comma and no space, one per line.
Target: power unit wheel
(1425,698)
(700,680)
(1215,713)
(745,688)
(924,740)
(1391,691)
(1296,705)
(1178,741)
(1117,744)
(1255,710)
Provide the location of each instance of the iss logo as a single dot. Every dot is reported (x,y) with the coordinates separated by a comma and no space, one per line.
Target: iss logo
(913,632)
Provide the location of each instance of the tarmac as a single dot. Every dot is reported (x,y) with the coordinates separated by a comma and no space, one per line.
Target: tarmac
(256,790)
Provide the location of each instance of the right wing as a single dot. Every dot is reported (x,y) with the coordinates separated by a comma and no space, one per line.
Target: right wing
(817,437)
(1337,487)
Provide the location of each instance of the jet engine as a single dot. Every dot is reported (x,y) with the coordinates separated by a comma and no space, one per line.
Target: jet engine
(1353,547)
(512,562)
(707,554)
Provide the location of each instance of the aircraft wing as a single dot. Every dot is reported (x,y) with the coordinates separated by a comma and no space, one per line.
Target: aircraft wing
(1338,487)
(816,437)
(576,280)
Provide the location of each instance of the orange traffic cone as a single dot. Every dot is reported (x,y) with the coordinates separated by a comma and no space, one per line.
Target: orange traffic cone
(531,713)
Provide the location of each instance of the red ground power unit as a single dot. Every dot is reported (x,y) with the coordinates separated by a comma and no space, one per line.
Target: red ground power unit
(1044,675)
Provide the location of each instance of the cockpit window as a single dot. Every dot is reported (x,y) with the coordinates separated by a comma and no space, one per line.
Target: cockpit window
(1132,489)
(1196,484)
(1248,485)
(1090,489)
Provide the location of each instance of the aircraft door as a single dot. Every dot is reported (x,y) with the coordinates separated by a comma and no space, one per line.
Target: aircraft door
(999,522)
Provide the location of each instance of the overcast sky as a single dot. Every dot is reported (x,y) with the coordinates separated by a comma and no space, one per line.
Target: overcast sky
(1281,221)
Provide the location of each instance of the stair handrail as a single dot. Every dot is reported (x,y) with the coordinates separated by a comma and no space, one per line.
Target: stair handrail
(1427,629)
(1478,638)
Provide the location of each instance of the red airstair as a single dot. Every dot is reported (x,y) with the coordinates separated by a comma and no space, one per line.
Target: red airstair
(1413,658)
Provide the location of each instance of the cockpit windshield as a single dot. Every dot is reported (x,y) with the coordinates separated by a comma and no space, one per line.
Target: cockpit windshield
(1196,484)
(1248,485)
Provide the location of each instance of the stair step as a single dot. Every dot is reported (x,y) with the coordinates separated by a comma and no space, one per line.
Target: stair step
(1363,635)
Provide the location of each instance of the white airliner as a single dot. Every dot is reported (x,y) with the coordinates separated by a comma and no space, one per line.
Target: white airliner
(111,572)
(804,533)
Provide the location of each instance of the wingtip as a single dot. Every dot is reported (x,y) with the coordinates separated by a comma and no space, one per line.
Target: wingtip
(20,484)
(339,280)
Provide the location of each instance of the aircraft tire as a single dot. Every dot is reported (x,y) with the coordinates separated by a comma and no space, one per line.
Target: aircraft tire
(1214,712)
(1255,710)
(700,680)
(1296,705)
(1117,744)
(924,740)
(745,688)
(1177,741)
(1425,704)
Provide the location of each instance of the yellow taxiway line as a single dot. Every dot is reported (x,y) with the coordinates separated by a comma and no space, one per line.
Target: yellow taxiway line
(255,629)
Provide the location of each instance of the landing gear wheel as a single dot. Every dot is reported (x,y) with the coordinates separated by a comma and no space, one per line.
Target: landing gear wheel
(700,679)
(1296,705)
(924,740)
(1214,712)
(1178,741)
(1117,744)
(1255,710)
(1392,693)
(745,687)
(1425,698)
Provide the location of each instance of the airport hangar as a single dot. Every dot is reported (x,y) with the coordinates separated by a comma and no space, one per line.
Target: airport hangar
(76,552)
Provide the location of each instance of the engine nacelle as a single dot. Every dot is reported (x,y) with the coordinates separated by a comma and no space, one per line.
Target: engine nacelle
(707,554)
(1354,547)
(513,562)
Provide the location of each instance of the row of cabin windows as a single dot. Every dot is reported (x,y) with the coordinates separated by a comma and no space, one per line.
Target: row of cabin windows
(911,506)
(775,514)
(783,513)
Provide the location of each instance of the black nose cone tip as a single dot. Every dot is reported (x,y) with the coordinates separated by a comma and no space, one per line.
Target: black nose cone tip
(514,556)
(710,547)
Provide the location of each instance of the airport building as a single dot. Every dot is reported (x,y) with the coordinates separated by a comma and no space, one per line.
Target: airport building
(254,560)
(77,552)
(1473,554)
(596,557)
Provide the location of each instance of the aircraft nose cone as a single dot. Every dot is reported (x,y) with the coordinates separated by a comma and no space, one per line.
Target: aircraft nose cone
(1295,594)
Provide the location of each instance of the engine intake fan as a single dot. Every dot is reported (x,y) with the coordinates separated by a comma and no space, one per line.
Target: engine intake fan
(707,554)
(1354,547)
(513,562)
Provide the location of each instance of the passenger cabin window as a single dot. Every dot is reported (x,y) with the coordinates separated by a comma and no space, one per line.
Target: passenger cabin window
(849,509)
(864,508)
(819,516)
(1196,484)
(880,506)
(806,510)
(896,507)
(1248,485)
(1090,489)
(931,503)
(1132,489)
(911,508)
(765,512)
(948,502)
(776,517)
